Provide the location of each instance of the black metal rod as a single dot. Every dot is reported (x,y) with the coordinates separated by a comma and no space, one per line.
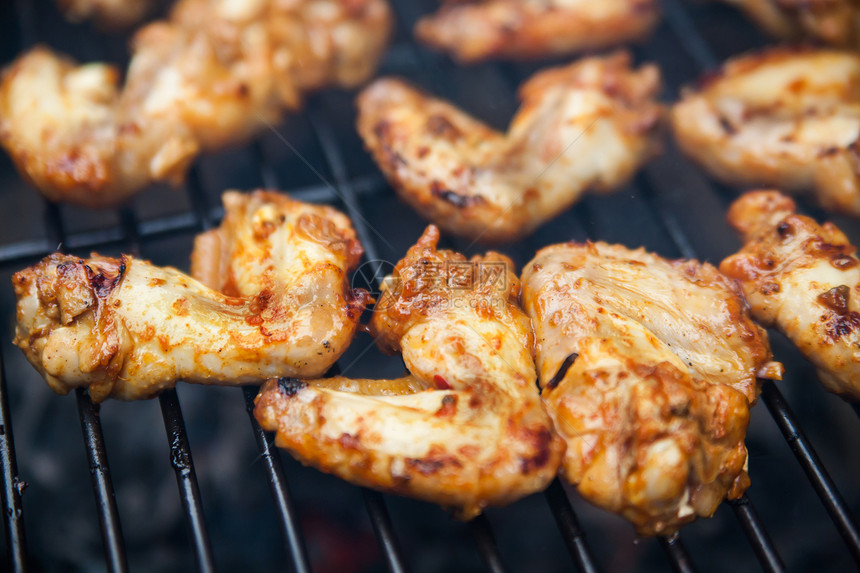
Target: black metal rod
(677,553)
(681,24)
(13,487)
(328,141)
(482,533)
(280,490)
(186,478)
(568,524)
(757,535)
(811,464)
(381,522)
(91,426)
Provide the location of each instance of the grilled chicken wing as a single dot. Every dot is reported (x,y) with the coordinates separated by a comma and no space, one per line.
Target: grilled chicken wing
(475,30)
(465,428)
(127,329)
(833,22)
(107,14)
(588,125)
(210,76)
(787,117)
(648,369)
(804,279)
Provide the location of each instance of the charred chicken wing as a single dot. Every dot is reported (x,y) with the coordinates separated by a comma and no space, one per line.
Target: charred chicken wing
(787,117)
(588,125)
(210,76)
(465,429)
(802,278)
(834,22)
(474,30)
(125,328)
(648,369)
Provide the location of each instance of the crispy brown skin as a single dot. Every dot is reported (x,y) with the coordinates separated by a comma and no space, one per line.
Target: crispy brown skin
(127,329)
(648,369)
(476,30)
(465,429)
(586,126)
(212,75)
(804,279)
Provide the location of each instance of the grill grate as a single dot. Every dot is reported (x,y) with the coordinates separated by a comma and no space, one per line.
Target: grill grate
(661,190)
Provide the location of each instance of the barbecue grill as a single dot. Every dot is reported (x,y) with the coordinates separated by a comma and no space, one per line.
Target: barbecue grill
(241,513)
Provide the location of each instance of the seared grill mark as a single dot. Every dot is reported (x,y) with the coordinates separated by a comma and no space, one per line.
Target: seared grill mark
(540,441)
(290,386)
(836,299)
(441,126)
(454,198)
(562,371)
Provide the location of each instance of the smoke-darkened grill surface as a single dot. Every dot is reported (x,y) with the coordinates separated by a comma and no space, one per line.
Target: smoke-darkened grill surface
(672,208)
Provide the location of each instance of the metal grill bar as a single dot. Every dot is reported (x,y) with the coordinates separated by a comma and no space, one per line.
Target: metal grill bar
(272,463)
(375,503)
(677,553)
(177,438)
(384,530)
(759,538)
(776,404)
(482,533)
(280,492)
(13,487)
(114,545)
(568,524)
(334,159)
(811,464)
(186,478)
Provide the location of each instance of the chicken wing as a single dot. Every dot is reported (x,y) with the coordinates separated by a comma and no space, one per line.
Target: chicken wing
(833,22)
(802,278)
(475,30)
(465,429)
(588,125)
(113,15)
(212,75)
(127,329)
(648,369)
(787,117)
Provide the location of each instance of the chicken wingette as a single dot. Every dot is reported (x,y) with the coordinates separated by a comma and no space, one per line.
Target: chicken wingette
(474,30)
(586,126)
(648,368)
(465,428)
(804,279)
(832,22)
(214,74)
(784,117)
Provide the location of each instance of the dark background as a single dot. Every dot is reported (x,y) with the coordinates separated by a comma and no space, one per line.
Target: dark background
(671,208)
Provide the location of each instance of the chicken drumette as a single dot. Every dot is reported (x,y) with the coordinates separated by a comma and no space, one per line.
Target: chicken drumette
(585,126)
(804,279)
(474,30)
(648,369)
(212,75)
(125,328)
(465,428)
(787,117)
